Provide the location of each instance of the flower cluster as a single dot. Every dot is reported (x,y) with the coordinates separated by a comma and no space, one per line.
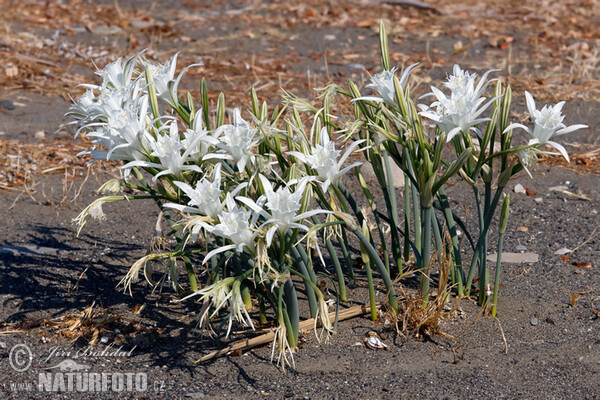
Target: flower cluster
(238,205)
(249,204)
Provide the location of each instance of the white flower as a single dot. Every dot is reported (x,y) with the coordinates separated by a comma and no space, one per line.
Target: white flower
(460,111)
(235,224)
(224,292)
(547,123)
(205,198)
(383,83)
(117,75)
(283,207)
(198,139)
(168,149)
(237,307)
(238,140)
(163,78)
(527,159)
(324,159)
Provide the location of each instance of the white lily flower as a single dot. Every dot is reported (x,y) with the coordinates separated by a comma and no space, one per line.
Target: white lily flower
(238,140)
(168,148)
(117,75)
(125,134)
(205,198)
(460,111)
(527,159)
(237,307)
(547,123)
(224,292)
(324,159)
(235,224)
(163,78)
(283,207)
(383,83)
(198,138)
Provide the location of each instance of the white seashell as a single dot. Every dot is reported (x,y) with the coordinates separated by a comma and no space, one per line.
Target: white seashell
(375,343)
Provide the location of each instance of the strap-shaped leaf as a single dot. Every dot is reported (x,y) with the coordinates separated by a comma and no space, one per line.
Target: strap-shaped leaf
(452,170)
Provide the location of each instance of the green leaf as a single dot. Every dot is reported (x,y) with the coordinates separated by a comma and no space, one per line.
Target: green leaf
(383,46)
(504,214)
(291,306)
(453,169)
(205,105)
(221,110)
(254,99)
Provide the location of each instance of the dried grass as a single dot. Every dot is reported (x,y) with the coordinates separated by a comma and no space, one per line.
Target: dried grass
(581,162)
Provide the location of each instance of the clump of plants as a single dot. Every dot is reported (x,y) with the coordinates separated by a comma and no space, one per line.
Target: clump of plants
(255,200)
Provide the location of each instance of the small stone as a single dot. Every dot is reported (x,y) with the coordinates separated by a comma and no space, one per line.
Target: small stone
(104,30)
(329,37)
(104,339)
(534,321)
(562,251)
(538,199)
(515,258)
(39,135)
(520,247)
(519,189)
(9,105)
(355,66)
(141,24)
(558,188)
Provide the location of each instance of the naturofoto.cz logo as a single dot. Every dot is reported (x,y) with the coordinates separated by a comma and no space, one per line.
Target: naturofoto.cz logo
(92,382)
(71,376)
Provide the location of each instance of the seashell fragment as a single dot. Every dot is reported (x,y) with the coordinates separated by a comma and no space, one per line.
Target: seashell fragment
(374,343)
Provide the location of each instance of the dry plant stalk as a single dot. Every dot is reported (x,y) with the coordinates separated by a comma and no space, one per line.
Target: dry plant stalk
(268,337)
(88,323)
(413,317)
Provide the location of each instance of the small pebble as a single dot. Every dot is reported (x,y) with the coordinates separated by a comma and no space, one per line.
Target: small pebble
(519,188)
(534,321)
(9,105)
(104,339)
(39,135)
(562,251)
(520,247)
(538,199)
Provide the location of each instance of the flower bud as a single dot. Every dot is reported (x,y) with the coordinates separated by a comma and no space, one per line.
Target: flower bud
(504,214)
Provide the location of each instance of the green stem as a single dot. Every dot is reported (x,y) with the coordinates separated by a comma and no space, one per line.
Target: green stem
(439,243)
(347,258)
(380,266)
(479,247)
(416,206)
(338,269)
(406,218)
(310,293)
(497,277)
(371,291)
(426,253)
(373,206)
(392,212)
(459,275)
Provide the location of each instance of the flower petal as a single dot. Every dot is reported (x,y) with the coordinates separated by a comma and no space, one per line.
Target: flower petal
(560,148)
